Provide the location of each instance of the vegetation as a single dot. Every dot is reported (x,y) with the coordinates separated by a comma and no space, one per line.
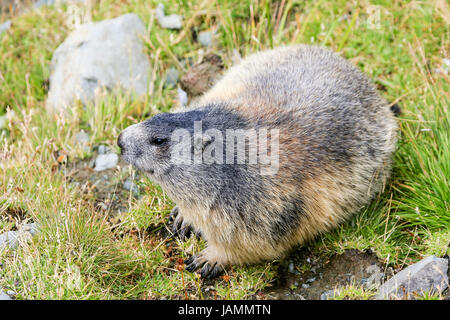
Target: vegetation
(83,253)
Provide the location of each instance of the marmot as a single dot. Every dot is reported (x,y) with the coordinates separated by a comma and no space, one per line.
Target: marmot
(334,137)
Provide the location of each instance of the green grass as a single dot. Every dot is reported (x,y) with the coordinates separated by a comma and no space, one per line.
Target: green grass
(81,254)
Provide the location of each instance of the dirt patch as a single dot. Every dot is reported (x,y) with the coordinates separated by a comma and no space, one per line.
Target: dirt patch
(307,275)
(105,189)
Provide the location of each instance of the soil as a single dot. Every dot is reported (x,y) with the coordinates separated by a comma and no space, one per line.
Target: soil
(105,187)
(306,275)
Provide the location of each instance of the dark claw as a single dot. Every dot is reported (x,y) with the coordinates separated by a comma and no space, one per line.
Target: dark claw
(191,267)
(205,270)
(189,260)
(214,272)
(185,231)
(173,214)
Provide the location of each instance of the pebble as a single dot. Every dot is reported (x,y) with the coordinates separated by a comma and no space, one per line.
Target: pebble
(205,38)
(129,185)
(102,149)
(4,296)
(106,161)
(291,267)
(172,21)
(327,295)
(172,76)
(182,97)
(5,26)
(3,122)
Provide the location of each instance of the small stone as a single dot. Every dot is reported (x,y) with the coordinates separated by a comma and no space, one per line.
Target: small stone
(427,275)
(5,26)
(373,269)
(9,239)
(291,267)
(182,97)
(327,295)
(4,296)
(236,58)
(30,227)
(205,38)
(172,76)
(311,280)
(11,293)
(305,286)
(82,139)
(129,185)
(3,122)
(106,161)
(173,21)
(374,281)
(102,149)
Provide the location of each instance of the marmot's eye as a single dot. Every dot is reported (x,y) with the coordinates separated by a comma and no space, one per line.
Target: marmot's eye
(157,141)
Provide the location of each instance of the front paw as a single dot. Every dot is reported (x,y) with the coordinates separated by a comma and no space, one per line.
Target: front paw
(210,268)
(179,227)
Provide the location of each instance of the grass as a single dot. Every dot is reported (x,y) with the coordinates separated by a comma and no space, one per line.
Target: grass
(82,254)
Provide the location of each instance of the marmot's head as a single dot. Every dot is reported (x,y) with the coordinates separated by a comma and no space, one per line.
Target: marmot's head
(148,145)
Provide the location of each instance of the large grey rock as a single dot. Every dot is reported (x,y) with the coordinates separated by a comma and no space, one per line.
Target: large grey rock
(100,55)
(427,275)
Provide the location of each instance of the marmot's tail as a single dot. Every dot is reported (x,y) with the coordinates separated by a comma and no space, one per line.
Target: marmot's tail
(395,108)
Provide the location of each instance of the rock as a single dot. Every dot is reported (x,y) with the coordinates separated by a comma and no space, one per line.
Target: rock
(373,269)
(330,294)
(374,281)
(9,239)
(102,149)
(4,296)
(5,26)
(82,140)
(427,275)
(11,293)
(173,21)
(202,75)
(12,239)
(182,97)
(32,228)
(100,55)
(41,3)
(205,38)
(3,122)
(171,77)
(291,267)
(129,185)
(106,161)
